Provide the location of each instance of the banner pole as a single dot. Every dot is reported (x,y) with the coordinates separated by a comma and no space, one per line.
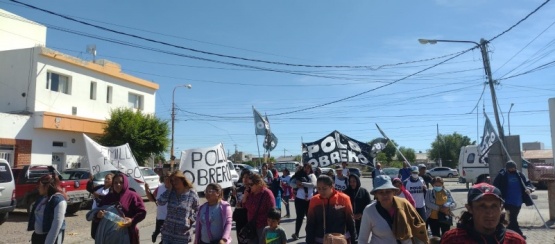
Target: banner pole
(388,141)
(258,147)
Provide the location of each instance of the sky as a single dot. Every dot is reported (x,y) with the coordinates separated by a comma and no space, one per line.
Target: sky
(318,66)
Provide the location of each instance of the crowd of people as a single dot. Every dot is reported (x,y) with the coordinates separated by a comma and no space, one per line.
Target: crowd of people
(337,209)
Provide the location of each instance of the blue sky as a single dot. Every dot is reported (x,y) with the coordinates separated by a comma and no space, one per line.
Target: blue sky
(375,34)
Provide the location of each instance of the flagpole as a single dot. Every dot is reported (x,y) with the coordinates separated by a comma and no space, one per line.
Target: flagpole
(257,146)
(388,140)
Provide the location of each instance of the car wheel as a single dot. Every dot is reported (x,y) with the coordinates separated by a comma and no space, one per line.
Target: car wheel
(3,217)
(73,208)
(449,175)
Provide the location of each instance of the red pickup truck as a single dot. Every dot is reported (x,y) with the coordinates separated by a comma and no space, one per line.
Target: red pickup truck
(26,192)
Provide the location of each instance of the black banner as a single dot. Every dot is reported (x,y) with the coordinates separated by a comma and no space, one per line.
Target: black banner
(336,148)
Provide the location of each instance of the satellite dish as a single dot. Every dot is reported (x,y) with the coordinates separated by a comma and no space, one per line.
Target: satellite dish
(92,50)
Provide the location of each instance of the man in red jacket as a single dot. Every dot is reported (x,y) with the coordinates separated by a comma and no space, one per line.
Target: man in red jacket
(483,220)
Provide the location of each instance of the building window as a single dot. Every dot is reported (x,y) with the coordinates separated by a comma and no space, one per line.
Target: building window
(58,144)
(135,101)
(109,91)
(92,94)
(58,83)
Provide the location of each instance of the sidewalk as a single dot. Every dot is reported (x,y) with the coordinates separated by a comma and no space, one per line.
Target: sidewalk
(533,228)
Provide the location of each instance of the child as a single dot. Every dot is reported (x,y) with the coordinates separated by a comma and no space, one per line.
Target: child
(273,233)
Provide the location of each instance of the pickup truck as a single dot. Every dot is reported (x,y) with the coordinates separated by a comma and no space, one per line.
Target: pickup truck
(26,192)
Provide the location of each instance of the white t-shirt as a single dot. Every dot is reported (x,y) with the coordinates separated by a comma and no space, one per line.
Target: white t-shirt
(102,192)
(346,172)
(416,189)
(161,211)
(341,184)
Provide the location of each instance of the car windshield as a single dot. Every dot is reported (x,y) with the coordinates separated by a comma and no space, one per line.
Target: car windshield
(74,175)
(390,171)
(281,166)
(246,166)
(148,172)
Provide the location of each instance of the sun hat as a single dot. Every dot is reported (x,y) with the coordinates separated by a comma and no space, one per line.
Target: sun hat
(479,190)
(383,182)
(414,169)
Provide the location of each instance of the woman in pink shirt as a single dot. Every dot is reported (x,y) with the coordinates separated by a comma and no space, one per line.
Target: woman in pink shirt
(403,191)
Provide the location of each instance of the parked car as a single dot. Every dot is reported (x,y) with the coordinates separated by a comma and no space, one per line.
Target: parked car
(7,191)
(240,167)
(151,178)
(391,172)
(291,166)
(26,192)
(354,171)
(326,170)
(442,172)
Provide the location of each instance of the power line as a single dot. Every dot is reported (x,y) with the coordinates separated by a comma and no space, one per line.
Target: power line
(517,23)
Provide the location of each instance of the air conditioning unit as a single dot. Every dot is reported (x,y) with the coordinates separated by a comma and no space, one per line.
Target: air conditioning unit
(74,110)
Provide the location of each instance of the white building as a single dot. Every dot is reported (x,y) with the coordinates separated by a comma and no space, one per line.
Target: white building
(49,99)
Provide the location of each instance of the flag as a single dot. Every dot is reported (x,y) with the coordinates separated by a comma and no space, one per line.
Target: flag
(270,141)
(489,138)
(261,126)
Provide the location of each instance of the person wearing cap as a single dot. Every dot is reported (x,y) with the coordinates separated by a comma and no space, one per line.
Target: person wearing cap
(515,189)
(422,173)
(182,205)
(417,188)
(390,219)
(483,220)
(404,173)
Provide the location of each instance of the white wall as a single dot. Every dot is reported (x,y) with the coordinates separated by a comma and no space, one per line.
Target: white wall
(16,126)
(16,80)
(57,102)
(17,32)
(73,149)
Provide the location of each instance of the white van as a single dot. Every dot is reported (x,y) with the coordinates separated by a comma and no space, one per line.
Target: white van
(470,167)
(7,190)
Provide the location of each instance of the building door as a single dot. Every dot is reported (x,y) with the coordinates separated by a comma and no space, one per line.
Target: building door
(58,161)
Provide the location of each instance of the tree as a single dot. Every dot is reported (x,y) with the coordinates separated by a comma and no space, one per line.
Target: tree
(447,147)
(145,133)
(409,153)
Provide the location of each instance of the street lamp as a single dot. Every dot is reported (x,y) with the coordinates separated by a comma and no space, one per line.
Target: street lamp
(483,48)
(172,157)
(509,117)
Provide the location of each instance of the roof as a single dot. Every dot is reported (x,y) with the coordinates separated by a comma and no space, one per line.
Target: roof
(537,154)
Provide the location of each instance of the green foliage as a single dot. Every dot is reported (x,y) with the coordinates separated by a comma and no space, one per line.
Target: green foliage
(145,133)
(298,158)
(409,153)
(381,157)
(447,147)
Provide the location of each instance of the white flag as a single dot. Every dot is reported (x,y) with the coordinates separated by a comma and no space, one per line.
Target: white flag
(203,166)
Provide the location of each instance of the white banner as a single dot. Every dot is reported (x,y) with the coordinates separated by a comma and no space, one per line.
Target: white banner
(203,166)
(118,158)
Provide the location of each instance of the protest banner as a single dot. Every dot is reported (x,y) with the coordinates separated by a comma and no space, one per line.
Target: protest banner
(336,148)
(118,158)
(203,166)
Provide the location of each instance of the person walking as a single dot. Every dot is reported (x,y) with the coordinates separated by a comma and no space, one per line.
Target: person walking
(405,172)
(273,233)
(341,182)
(304,181)
(182,202)
(440,205)
(287,190)
(266,174)
(377,171)
(483,221)
(275,187)
(98,193)
(403,193)
(515,189)
(161,211)
(329,212)
(213,222)
(240,213)
(259,201)
(417,188)
(129,203)
(360,198)
(390,219)
(47,216)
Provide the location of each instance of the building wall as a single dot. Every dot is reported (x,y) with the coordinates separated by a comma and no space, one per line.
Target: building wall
(532,146)
(16,80)
(73,148)
(18,32)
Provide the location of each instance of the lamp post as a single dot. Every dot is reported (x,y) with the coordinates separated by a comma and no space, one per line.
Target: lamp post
(509,117)
(172,157)
(484,50)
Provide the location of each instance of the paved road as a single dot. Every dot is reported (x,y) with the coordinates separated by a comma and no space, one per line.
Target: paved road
(78,230)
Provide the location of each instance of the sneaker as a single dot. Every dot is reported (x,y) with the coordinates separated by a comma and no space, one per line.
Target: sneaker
(295,236)
(153,238)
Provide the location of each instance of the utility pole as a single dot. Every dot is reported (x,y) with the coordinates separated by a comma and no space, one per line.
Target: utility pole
(487,68)
(236,152)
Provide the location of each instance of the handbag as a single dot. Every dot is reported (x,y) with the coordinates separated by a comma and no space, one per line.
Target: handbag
(332,238)
(240,215)
(248,232)
(445,219)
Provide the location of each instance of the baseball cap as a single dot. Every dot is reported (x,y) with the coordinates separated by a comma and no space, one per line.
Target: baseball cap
(479,190)
(414,169)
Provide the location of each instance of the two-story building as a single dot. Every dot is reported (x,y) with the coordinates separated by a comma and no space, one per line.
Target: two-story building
(48,99)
